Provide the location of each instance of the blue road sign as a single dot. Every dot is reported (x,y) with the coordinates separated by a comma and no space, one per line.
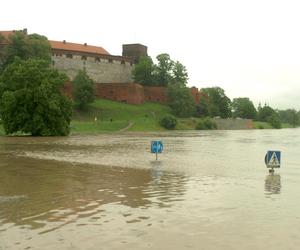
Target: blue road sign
(157,147)
(273,159)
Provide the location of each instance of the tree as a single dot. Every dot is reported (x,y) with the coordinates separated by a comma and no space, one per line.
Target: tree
(243,108)
(26,46)
(289,116)
(2,51)
(274,120)
(219,102)
(179,74)
(143,71)
(83,89)
(264,113)
(31,100)
(181,101)
(203,106)
(163,70)
(164,73)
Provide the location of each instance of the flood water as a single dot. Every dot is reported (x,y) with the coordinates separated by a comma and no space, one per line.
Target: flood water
(208,190)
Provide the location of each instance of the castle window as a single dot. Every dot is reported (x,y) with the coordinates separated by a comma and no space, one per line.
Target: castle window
(97,59)
(83,58)
(69,56)
(110,60)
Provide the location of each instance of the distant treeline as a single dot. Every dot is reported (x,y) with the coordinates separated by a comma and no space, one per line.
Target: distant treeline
(213,101)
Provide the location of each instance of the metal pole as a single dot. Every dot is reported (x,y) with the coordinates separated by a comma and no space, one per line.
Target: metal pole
(156,155)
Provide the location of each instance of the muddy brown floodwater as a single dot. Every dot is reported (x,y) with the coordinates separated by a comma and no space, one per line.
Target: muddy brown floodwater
(208,190)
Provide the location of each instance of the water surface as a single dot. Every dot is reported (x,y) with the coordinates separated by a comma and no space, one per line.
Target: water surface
(208,190)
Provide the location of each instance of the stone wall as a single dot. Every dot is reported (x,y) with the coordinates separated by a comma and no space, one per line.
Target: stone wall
(104,70)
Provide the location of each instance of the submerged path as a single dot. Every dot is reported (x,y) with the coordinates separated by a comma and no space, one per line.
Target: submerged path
(128,127)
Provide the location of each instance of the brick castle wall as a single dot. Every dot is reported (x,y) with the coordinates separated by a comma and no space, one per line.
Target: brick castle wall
(132,93)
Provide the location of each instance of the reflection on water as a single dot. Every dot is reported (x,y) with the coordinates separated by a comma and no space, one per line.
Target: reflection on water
(273,184)
(204,192)
(74,190)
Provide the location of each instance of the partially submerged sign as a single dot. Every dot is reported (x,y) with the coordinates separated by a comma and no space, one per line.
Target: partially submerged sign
(272,159)
(156,147)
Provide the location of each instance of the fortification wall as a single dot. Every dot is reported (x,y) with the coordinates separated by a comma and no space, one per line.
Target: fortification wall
(132,93)
(156,94)
(104,70)
(234,124)
(129,93)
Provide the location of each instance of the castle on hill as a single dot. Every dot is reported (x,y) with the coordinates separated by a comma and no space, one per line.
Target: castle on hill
(112,74)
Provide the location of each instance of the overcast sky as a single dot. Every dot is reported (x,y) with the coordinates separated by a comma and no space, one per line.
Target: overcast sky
(248,48)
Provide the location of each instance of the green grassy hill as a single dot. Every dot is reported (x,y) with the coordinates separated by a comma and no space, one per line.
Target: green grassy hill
(114,116)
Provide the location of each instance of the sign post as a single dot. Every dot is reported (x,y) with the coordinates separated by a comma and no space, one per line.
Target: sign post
(156,147)
(272,160)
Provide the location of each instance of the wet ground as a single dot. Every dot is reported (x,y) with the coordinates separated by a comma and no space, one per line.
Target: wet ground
(208,190)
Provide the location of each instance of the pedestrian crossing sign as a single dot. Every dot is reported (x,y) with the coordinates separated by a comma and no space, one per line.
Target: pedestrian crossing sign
(273,159)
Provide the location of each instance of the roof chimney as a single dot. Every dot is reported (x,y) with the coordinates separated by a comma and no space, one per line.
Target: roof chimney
(64,41)
(85,44)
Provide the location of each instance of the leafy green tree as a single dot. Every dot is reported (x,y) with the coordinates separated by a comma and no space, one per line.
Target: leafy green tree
(163,70)
(2,51)
(203,106)
(143,71)
(243,107)
(274,120)
(289,116)
(220,104)
(31,100)
(264,113)
(179,74)
(181,101)
(26,46)
(164,73)
(83,89)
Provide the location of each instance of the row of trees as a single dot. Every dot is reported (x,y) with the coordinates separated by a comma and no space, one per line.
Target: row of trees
(213,101)
(31,100)
(165,72)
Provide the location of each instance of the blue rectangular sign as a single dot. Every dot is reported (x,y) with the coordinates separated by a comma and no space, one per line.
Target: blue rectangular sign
(156,147)
(273,159)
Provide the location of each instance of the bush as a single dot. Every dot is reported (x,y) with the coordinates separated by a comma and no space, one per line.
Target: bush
(275,122)
(206,124)
(168,121)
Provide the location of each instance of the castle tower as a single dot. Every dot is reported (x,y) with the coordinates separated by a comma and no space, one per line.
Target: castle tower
(135,51)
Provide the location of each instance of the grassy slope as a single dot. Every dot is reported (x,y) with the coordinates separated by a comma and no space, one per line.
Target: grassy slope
(113,116)
(265,125)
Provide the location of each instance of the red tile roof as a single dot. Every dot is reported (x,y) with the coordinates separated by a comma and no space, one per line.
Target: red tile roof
(67,46)
(6,34)
(77,47)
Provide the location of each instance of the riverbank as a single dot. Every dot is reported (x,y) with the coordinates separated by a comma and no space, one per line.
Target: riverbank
(104,116)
